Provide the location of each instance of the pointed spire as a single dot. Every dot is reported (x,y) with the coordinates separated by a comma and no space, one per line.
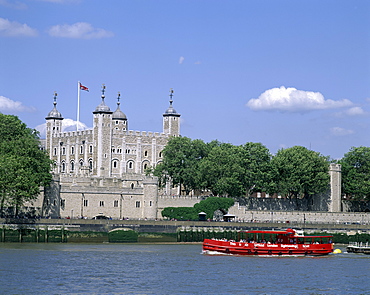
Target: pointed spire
(102,108)
(171,111)
(118,114)
(118,98)
(102,92)
(54,113)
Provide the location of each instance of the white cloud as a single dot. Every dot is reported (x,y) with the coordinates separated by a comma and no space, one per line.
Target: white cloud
(338,131)
(67,125)
(294,100)
(181,59)
(355,111)
(79,31)
(13,29)
(8,106)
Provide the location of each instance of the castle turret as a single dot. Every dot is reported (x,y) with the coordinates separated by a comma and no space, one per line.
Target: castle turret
(53,125)
(102,138)
(119,118)
(171,119)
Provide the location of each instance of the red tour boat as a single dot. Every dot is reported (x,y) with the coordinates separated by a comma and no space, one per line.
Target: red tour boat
(275,242)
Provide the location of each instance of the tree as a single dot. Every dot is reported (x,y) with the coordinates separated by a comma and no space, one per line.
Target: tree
(356,173)
(236,171)
(209,206)
(181,158)
(23,166)
(299,172)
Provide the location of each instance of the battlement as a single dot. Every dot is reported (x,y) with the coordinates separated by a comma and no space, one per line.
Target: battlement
(73,133)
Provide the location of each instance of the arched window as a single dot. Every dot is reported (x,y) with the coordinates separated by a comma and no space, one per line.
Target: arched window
(90,164)
(130,165)
(90,149)
(63,167)
(63,151)
(114,164)
(81,149)
(72,150)
(160,154)
(145,153)
(81,163)
(72,166)
(132,185)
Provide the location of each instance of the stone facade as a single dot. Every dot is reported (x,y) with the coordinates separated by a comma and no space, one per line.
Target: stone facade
(101,171)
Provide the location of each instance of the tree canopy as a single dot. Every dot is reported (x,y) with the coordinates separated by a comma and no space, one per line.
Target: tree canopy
(356,173)
(299,172)
(23,166)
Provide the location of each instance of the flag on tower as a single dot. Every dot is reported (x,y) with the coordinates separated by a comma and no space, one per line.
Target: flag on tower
(84,87)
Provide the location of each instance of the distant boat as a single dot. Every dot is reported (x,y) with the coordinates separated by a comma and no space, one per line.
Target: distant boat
(359,248)
(271,243)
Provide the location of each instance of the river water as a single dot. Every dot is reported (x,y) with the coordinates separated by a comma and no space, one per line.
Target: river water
(173,269)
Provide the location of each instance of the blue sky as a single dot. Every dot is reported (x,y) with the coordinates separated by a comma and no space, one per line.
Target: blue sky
(282,73)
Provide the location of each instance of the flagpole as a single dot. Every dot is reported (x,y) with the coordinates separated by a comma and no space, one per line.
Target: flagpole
(78,104)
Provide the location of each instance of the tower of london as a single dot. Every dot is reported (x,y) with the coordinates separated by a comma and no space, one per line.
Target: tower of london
(101,171)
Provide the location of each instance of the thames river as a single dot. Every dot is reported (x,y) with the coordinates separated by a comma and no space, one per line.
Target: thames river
(173,269)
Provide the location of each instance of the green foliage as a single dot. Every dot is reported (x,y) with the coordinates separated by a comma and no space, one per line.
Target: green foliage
(209,206)
(23,166)
(180,213)
(123,236)
(299,172)
(356,173)
(181,158)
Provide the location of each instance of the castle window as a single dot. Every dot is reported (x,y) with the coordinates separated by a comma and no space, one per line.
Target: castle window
(62,203)
(63,151)
(124,129)
(145,153)
(130,165)
(137,205)
(90,165)
(86,202)
(116,122)
(81,149)
(145,166)
(114,164)
(55,151)
(150,203)
(160,154)
(63,166)
(81,163)
(115,203)
(72,166)
(72,150)
(113,150)
(132,185)
(101,203)
(90,149)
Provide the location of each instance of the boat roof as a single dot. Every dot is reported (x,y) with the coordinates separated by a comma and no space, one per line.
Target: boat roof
(287,231)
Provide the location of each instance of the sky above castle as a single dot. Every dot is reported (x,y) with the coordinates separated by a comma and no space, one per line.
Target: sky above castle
(282,73)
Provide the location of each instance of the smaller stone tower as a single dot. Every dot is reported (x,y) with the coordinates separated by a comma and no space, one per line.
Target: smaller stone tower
(171,119)
(119,118)
(53,126)
(335,171)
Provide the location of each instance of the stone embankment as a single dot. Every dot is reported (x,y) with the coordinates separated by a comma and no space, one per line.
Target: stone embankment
(162,226)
